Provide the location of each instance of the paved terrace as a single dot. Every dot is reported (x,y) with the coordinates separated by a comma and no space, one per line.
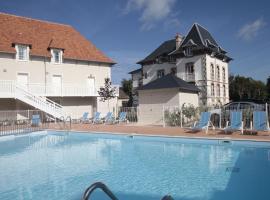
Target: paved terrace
(168,131)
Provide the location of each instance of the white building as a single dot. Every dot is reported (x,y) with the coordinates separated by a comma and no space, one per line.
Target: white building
(196,58)
(50,67)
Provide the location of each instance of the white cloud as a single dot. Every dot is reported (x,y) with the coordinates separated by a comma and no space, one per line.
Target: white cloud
(249,31)
(153,11)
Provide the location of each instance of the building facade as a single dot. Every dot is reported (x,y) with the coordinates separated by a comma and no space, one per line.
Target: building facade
(195,58)
(51,67)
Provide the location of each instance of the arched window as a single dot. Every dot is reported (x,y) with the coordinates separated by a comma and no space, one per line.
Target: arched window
(218,90)
(212,71)
(224,91)
(212,90)
(217,73)
(224,74)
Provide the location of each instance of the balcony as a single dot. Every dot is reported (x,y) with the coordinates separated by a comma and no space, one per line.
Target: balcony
(190,77)
(39,89)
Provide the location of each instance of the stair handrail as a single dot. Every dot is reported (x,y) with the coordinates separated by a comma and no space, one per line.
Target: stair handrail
(45,100)
(95,186)
(70,121)
(38,99)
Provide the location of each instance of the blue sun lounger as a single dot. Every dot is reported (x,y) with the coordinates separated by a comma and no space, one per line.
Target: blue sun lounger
(84,118)
(204,122)
(35,121)
(108,118)
(122,117)
(260,122)
(236,122)
(96,119)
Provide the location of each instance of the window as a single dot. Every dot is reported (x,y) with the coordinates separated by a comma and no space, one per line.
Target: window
(22,52)
(224,74)
(173,70)
(212,72)
(224,91)
(160,73)
(145,75)
(217,74)
(188,51)
(218,90)
(56,56)
(189,68)
(212,90)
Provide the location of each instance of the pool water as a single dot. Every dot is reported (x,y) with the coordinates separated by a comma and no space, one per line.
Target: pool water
(57,165)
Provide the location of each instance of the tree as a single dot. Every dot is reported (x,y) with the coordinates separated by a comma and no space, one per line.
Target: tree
(127,88)
(268,88)
(107,92)
(244,88)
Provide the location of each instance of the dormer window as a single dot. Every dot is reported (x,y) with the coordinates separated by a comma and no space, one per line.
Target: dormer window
(56,56)
(22,52)
(188,51)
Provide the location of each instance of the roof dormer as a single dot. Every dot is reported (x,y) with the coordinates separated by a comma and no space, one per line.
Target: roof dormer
(57,56)
(22,51)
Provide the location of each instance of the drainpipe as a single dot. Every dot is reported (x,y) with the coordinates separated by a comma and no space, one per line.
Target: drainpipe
(45,68)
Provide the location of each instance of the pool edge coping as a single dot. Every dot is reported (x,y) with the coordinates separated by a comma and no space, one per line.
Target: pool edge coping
(163,136)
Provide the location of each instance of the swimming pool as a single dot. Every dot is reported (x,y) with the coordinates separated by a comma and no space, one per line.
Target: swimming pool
(56,165)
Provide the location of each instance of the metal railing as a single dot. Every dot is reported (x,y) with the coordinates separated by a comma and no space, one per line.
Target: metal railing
(7,89)
(187,115)
(107,191)
(98,185)
(132,113)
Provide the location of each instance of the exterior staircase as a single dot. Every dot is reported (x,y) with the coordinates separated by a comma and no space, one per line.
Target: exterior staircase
(44,104)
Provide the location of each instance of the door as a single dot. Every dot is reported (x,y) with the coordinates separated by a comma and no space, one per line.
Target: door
(57,84)
(91,84)
(22,80)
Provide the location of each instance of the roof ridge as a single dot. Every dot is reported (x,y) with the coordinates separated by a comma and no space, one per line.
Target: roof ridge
(200,35)
(39,20)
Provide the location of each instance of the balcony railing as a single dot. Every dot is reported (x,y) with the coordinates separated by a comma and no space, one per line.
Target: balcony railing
(190,77)
(7,89)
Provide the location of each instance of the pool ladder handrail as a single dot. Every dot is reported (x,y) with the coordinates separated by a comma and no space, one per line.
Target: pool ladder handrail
(64,120)
(106,190)
(98,185)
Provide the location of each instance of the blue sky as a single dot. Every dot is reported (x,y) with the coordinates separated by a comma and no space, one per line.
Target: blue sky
(128,30)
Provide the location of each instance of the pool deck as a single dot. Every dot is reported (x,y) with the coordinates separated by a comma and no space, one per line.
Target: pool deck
(167,131)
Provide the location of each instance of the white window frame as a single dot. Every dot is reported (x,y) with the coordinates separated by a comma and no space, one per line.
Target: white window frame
(218,73)
(212,90)
(218,90)
(224,74)
(224,91)
(212,71)
(189,68)
(27,49)
(188,52)
(160,73)
(60,56)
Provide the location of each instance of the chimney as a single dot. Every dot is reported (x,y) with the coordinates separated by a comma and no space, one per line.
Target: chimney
(178,40)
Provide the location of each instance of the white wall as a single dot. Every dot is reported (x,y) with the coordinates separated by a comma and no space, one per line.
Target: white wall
(188,98)
(76,106)
(136,78)
(152,71)
(104,108)
(151,103)
(41,70)
(202,68)
(212,100)
(181,67)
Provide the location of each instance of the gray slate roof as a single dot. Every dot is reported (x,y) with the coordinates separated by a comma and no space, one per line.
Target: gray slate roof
(135,71)
(170,81)
(164,49)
